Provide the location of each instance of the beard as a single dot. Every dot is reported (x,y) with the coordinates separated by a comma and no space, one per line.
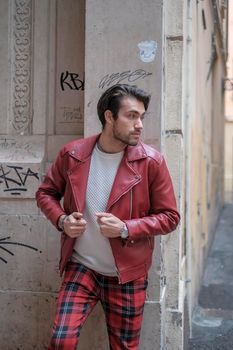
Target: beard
(129,139)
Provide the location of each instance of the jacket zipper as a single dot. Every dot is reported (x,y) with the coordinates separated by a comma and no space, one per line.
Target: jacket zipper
(130,216)
(131,204)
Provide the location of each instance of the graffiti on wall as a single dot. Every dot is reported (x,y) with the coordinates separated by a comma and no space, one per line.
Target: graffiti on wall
(7,143)
(148,50)
(129,76)
(5,241)
(71,114)
(72,81)
(14,178)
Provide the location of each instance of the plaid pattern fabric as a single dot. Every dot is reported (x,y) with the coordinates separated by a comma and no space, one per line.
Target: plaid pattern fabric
(81,289)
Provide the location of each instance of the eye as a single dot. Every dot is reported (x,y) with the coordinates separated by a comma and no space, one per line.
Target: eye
(131,116)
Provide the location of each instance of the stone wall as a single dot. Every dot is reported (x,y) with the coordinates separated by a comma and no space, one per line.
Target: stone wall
(42,103)
(203,110)
(229,111)
(57,57)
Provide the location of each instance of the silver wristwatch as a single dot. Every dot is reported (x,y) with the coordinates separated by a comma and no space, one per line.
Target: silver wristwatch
(124,232)
(62,221)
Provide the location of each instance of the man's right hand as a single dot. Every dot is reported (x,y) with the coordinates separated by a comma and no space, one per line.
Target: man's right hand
(74,224)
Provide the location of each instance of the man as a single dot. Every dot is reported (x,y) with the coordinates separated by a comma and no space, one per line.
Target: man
(117,195)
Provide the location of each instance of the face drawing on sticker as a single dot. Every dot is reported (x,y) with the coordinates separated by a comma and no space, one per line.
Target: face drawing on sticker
(147,50)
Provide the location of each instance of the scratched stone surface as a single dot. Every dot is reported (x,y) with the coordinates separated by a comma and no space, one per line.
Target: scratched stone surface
(21,206)
(154,282)
(4,63)
(29,254)
(151,330)
(26,319)
(20,166)
(55,142)
(21,148)
(70,49)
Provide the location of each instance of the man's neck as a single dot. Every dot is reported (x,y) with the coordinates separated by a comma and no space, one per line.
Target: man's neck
(108,145)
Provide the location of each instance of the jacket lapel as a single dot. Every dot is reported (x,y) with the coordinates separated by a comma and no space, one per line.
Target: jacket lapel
(78,179)
(78,175)
(126,178)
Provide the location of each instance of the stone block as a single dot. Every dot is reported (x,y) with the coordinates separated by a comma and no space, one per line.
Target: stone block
(171,267)
(55,142)
(173,9)
(173,87)
(151,327)
(174,324)
(173,145)
(4,65)
(19,179)
(26,319)
(20,162)
(29,254)
(154,275)
(94,333)
(173,152)
(40,67)
(21,206)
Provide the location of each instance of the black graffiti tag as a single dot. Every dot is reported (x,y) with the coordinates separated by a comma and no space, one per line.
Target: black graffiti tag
(15,179)
(72,81)
(6,241)
(129,76)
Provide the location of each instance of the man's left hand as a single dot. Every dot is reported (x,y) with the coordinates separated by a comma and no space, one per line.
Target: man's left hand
(110,225)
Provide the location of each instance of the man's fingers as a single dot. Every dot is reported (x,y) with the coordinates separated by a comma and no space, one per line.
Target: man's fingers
(74,234)
(76,229)
(77,223)
(81,222)
(77,215)
(76,218)
(71,219)
(100,215)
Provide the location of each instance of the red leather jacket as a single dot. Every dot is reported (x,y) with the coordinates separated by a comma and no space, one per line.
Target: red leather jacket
(142,196)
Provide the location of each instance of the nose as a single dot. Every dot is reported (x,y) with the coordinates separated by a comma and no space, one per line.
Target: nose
(138,124)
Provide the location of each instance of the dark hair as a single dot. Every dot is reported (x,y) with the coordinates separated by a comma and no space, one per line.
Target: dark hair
(111,99)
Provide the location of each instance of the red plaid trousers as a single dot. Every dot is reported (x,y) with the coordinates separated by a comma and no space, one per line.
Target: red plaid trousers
(81,289)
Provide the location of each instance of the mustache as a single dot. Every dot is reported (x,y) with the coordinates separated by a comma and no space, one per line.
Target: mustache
(135,133)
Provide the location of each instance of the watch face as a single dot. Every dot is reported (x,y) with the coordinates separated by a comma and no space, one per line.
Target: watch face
(124,233)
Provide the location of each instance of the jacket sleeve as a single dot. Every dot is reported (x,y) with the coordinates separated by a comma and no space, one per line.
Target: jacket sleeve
(163,216)
(50,192)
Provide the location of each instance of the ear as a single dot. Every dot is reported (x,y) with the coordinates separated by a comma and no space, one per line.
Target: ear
(108,117)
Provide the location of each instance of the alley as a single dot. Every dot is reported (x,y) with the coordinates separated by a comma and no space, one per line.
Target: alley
(213,317)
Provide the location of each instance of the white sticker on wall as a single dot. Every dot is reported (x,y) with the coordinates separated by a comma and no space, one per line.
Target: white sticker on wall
(147,50)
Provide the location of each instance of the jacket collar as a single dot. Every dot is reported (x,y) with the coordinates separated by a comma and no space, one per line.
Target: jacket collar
(84,148)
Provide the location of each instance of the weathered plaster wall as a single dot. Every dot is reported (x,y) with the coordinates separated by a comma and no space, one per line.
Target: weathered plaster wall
(192,126)
(172,147)
(32,112)
(229,111)
(203,116)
